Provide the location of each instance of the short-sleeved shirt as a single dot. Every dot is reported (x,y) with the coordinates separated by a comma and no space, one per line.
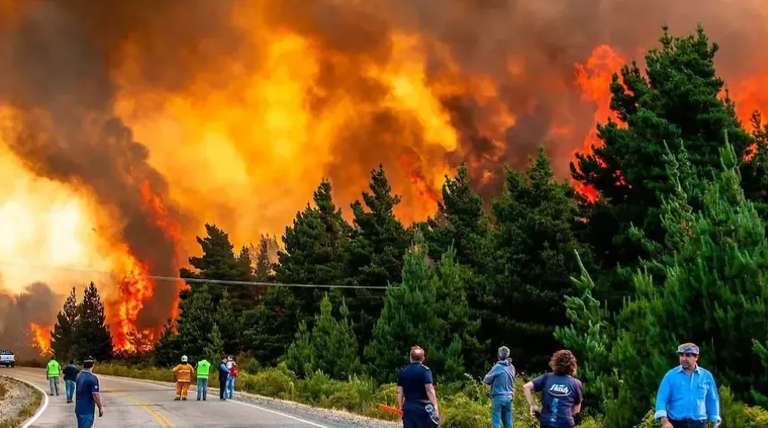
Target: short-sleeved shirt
(559,395)
(413,379)
(87,384)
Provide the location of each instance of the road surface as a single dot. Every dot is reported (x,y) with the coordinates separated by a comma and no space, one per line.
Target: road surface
(133,403)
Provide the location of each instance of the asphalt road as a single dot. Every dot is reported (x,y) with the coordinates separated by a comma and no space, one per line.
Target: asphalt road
(132,403)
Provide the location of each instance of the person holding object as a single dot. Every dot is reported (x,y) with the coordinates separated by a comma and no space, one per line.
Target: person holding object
(231,379)
(416,395)
(183,373)
(501,378)
(87,396)
(70,376)
(52,373)
(688,396)
(561,393)
(203,368)
(223,374)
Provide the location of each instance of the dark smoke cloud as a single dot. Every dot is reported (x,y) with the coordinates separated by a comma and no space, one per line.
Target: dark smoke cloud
(36,304)
(56,59)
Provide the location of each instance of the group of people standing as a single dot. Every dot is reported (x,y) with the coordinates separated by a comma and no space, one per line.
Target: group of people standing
(82,386)
(184,373)
(687,396)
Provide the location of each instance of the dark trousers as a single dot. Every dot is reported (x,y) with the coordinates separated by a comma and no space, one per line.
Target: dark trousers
(688,423)
(415,416)
(222,387)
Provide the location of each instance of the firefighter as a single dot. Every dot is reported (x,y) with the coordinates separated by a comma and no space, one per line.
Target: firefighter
(183,373)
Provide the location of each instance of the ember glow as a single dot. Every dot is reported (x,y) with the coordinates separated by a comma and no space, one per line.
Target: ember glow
(144,120)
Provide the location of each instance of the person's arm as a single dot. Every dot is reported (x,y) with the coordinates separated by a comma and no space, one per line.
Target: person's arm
(96,397)
(488,379)
(579,398)
(534,385)
(662,398)
(430,388)
(400,397)
(713,403)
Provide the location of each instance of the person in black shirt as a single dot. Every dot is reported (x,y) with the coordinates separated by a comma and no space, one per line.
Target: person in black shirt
(70,376)
(416,393)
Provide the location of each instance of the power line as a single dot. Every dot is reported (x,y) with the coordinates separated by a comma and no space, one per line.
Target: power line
(198,280)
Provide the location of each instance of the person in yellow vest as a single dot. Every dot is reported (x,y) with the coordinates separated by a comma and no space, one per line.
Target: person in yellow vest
(52,374)
(203,368)
(183,373)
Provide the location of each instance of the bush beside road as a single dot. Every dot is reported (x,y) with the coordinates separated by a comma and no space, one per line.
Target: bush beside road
(18,401)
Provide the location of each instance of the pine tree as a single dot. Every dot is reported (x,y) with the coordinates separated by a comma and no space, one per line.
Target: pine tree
(269,328)
(168,348)
(678,99)
(228,324)
(263,271)
(408,318)
(300,357)
(314,250)
(91,336)
(195,323)
(537,221)
(379,242)
(214,349)
(66,321)
(334,343)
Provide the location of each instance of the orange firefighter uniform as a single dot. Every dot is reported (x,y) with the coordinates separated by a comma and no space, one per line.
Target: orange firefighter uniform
(183,373)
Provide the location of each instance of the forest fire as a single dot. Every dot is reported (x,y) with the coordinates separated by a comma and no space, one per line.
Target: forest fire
(172,116)
(41,337)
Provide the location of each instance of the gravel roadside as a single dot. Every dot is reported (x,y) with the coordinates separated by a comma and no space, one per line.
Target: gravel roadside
(332,418)
(14,395)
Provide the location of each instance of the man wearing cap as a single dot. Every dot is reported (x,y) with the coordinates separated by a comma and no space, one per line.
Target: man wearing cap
(688,396)
(87,395)
(501,378)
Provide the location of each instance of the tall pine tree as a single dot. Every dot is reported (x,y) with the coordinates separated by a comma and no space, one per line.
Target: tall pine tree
(537,219)
(63,331)
(91,336)
(379,242)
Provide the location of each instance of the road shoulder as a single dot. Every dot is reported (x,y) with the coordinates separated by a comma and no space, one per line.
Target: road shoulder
(19,402)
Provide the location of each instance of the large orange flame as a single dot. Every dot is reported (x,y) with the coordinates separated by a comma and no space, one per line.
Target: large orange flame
(41,337)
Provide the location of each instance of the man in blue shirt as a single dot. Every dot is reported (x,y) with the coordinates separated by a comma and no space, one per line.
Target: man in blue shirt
(688,395)
(70,377)
(416,395)
(501,378)
(87,396)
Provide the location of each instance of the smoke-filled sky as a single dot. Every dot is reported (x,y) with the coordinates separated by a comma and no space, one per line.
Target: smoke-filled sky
(126,125)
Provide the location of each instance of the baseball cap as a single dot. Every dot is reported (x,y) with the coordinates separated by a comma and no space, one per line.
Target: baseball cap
(688,348)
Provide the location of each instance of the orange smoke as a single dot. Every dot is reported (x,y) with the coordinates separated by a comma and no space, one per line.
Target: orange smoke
(41,337)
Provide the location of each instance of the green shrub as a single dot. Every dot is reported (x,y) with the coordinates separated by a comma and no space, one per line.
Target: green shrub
(253,366)
(278,382)
(461,412)
(316,388)
(356,395)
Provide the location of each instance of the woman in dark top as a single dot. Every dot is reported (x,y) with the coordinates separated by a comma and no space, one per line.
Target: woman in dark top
(560,392)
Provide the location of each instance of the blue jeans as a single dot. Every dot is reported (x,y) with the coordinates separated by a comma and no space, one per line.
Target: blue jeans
(85,421)
(501,411)
(69,385)
(202,388)
(230,387)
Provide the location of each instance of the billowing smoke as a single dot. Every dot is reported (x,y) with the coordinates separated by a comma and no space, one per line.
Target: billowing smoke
(419,85)
(37,304)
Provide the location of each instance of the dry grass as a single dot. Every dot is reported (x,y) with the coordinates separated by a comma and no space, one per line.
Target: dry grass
(27,411)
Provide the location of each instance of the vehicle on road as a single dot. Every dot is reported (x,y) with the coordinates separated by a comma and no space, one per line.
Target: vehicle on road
(7,358)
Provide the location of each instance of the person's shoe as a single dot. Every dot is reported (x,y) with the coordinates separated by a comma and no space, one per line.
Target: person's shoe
(183,398)
(198,399)
(177,399)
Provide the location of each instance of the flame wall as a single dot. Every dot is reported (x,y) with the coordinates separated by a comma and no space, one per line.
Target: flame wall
(125,125)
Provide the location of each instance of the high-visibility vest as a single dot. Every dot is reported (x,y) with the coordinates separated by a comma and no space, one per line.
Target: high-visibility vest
(203,368)
(53,368)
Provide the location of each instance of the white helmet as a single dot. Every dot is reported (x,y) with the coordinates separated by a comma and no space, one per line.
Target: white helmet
(183,358)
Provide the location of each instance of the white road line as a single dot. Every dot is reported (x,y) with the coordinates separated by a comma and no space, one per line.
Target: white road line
(40,411)
(278,413)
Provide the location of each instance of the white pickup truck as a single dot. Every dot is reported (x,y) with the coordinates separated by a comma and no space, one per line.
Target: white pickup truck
(7,358)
